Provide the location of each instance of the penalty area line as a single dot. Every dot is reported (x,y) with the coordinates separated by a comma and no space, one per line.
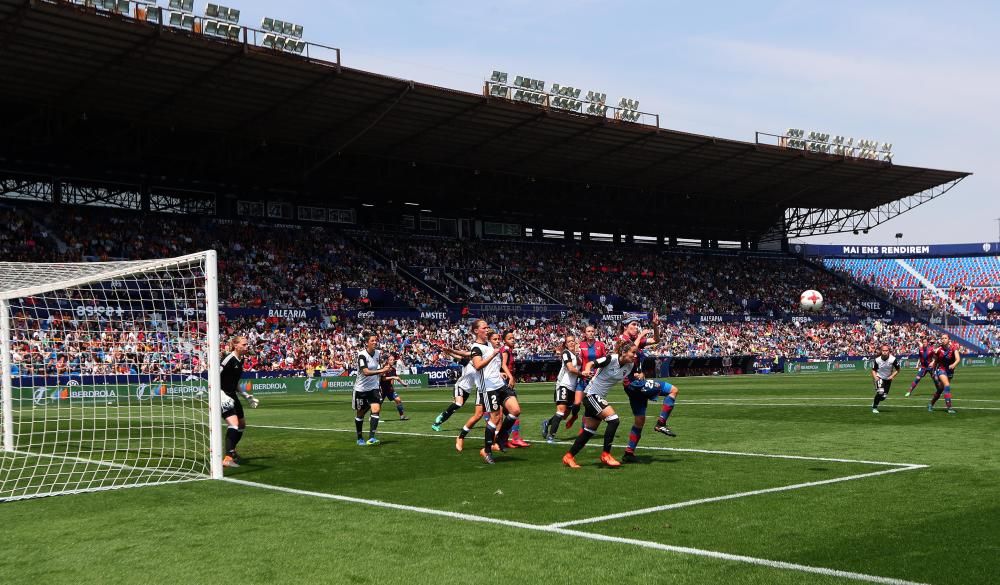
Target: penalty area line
(677,505)
(586,535)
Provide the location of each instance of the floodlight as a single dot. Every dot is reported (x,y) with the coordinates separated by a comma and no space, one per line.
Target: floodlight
(234,32)
(175,19)
(297,31)
(266,24)
(187,5)
(212,10)
(519,81)
(297,46)
(287,28)
(597,109)
(211,28)
(187,21)
(106,4)
(123,6)
(269,40)
(498,90)
(498,77)
(174,5)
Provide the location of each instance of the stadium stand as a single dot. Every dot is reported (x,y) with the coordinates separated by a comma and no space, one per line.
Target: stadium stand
(299,267)
(965,280)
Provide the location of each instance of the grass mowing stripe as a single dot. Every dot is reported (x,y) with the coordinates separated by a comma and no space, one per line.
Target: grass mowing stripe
(590,536)
(678,449)
(674,506)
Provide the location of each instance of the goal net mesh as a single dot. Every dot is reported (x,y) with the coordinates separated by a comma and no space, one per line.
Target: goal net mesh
(105,373)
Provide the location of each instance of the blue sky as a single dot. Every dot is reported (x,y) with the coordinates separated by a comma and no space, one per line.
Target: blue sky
(924,76)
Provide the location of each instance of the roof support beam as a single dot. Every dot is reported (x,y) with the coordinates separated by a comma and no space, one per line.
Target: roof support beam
(802,222)
(136,51)
(442,121)
(466,151)
(339,149)
(566,140)
(639,140)
(664,160)
(197,81)
(312,87)
(675,180)
(12,23)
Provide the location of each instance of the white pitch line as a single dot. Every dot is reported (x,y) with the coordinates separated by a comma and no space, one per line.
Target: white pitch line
(800,405)
(590,536)
(650,448)
(803,398)
(784,488)
(756,403)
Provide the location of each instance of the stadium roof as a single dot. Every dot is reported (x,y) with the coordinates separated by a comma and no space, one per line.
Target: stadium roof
(85,91)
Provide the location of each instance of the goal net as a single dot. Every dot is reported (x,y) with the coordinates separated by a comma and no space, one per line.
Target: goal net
(106,375)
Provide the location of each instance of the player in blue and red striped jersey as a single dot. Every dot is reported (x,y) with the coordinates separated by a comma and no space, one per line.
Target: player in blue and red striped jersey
(925,363)
(652,390)
(591,349)
(946,359)
(507,356)
(637,398)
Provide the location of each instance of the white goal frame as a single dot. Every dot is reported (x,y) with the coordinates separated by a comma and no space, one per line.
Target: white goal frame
(90,273)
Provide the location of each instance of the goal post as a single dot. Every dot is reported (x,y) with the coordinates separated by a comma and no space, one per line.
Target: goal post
(110,375)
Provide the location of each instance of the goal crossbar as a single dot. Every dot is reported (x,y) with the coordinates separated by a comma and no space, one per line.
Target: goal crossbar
(105,271)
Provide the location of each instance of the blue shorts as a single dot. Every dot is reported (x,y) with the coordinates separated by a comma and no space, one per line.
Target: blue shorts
(639,398)
(581,384)
(638,401)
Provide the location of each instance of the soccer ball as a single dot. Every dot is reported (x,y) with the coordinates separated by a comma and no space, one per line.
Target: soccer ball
(811,300)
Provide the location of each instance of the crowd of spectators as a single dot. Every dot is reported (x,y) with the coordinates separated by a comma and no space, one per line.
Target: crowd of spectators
(277,266)
(460,270)
(63,343)
(301,267)
(679,282)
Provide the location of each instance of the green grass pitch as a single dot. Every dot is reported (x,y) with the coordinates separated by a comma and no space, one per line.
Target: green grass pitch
(903,496)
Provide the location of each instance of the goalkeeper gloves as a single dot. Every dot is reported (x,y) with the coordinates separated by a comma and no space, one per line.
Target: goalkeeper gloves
(254,401)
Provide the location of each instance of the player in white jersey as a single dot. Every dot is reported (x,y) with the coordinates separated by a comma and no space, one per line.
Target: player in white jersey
(366,394)
(464,386)
(565,393)
(884,369)
(493,379)
(612,369)
(477,328)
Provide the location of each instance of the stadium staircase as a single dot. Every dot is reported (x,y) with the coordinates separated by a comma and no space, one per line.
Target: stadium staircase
(42,229)
(399,268)
(959,309)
